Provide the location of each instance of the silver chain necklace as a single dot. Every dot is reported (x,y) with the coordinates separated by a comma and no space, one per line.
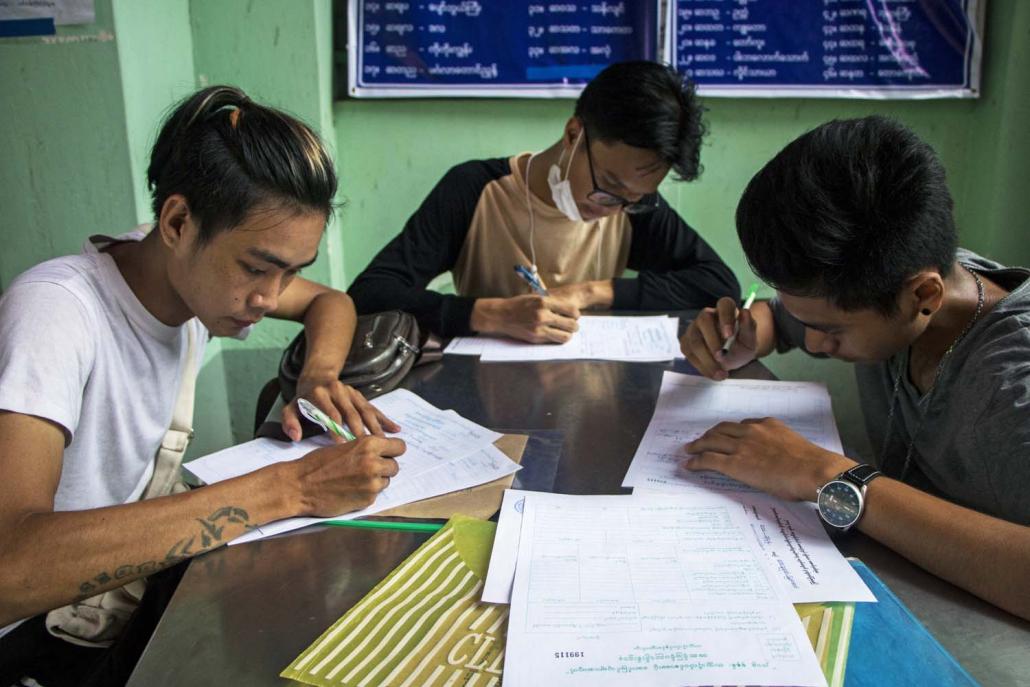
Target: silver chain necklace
(925,401)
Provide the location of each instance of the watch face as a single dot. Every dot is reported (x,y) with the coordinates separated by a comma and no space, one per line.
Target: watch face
(840,503)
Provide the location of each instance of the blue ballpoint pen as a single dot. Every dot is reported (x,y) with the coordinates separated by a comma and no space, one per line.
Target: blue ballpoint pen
(531,279)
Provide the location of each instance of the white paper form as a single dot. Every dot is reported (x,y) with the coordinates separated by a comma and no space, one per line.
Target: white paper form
(467,345)
(432,436)
(689,405)
(445,452)
(601,337)
(806,561)
(466,472)
(250,456)
(501,573)
(801,555)
(643,339)
(617,590)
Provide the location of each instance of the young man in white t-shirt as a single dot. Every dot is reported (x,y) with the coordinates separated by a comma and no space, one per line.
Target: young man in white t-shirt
(93,350)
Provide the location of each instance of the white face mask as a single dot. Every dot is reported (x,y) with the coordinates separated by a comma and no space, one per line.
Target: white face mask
(561,189)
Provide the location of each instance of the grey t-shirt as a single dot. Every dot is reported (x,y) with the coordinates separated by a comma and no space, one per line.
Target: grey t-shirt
(971,433)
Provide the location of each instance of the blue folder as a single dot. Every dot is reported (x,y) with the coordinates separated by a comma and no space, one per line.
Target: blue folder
(890,647)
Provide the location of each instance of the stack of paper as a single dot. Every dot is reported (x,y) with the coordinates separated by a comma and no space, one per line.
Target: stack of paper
(798,553)
(445,453)
(660,590)
(628,339)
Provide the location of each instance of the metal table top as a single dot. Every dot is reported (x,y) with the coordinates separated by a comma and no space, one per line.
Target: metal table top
(243,613)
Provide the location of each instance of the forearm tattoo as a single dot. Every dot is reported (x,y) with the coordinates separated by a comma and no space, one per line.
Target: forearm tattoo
(209,536)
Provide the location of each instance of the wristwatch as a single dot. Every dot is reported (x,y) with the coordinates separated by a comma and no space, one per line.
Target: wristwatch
(841,501)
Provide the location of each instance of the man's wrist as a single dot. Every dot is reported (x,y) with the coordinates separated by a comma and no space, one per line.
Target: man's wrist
(318,373)
(272,493)
(600,294)
(830,470)
(482,319)
(285,482)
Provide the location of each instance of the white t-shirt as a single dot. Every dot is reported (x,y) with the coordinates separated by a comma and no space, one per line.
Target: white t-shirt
(79,349)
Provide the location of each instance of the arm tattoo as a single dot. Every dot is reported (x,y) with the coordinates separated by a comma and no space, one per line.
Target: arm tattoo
(209,536)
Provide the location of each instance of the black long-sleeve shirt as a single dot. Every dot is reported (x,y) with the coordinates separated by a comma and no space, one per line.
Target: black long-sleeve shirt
(478,213)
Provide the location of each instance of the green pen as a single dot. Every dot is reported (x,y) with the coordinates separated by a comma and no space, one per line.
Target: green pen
(748,302)
(387,525)
(311,412)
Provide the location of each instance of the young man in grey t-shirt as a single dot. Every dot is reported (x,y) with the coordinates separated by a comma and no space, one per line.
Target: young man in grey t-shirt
(852,224)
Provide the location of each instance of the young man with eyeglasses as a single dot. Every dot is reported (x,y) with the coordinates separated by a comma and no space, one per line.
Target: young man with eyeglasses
(590,210)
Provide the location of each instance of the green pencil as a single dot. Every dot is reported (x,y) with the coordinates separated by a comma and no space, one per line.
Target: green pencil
(388,525)
(311,412)
(749,300)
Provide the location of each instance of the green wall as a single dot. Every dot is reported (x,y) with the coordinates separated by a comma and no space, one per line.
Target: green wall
(150,86)
(80,112)
(63,174)
(995,206)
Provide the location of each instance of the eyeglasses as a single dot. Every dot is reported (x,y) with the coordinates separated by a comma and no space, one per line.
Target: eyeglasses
(647,203)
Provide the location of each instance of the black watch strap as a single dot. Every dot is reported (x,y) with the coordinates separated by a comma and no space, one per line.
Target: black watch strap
(861,474)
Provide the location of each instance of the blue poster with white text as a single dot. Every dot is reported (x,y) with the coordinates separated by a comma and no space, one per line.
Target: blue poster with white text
(829,48)
(492,47)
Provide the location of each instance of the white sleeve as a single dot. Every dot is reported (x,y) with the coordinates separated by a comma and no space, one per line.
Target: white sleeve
(46,353)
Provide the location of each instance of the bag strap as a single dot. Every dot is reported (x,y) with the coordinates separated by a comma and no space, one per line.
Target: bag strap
(167,468)
(99,620)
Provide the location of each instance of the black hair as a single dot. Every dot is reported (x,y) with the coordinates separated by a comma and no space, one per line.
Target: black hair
(646,105)
(228,156)
(848,212)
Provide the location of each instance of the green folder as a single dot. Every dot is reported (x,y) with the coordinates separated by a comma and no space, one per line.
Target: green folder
(422,625)
(828,626)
